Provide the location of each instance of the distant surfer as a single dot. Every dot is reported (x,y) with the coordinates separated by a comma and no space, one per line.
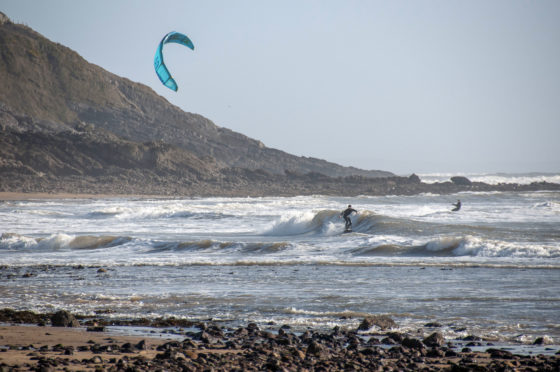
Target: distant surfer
(346,214)
(456,205)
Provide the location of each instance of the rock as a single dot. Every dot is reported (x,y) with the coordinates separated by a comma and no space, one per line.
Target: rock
(96,360)
(395,336)
(126,348)
(252,327)
(461,181)
(206,337)
(96,329)
(388,341)
(368,351)
(412,343)
(473,343)
(435,339)
(314,348)
(297,353)
(141,345)
(414,178)
(63,318)
(500,354)
(471,338)
(435,353)
(543,341)
(381,321)
(432,325)
(12,316)
(450,353)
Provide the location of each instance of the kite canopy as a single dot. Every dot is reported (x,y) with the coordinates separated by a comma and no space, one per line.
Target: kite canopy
(161,70)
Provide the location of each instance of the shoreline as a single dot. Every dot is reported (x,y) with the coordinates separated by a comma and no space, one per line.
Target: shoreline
(206,345)
(22,195)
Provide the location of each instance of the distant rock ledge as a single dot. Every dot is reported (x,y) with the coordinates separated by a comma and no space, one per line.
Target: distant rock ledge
(235,182)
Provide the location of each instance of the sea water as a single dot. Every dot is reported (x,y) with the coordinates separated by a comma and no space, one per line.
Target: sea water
(491,270)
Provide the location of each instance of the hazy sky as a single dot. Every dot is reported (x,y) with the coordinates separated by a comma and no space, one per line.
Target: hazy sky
(404,86)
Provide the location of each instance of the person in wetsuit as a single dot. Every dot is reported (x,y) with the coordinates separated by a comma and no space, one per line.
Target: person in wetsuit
(457,206)
(346,214)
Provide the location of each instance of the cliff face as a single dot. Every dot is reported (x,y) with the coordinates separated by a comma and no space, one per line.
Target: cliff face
(46,87)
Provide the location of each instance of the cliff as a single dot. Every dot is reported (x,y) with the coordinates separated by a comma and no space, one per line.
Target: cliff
(47,87)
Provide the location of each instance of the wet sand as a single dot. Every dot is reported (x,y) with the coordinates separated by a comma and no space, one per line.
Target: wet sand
(22,344)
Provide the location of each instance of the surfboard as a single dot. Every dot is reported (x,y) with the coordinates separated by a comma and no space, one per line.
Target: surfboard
(347,231)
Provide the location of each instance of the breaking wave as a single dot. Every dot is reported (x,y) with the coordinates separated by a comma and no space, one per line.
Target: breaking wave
(56,242)
(461,247)
(494,178)
(209,245)
(152,212)
(325,222)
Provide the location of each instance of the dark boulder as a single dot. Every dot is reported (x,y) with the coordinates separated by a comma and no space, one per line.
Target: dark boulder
(435,339)
(435,353)
(461,181)
(542,341)
(63,318)
(395,336)
(412,343)
(413,178)
(96,329)
(499,354)
(381,321)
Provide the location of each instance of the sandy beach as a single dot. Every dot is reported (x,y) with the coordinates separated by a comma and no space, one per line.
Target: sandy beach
(25,345)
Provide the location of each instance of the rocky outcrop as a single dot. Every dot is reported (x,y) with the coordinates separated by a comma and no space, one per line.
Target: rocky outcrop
(461,181)
(63,318)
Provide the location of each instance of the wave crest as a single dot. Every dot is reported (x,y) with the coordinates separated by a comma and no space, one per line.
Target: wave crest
(55,242)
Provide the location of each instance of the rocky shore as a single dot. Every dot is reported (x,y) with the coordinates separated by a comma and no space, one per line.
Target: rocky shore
(207,346)
(243,183)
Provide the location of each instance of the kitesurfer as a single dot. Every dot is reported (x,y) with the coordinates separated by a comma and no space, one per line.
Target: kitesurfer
(457,206)
(346,214)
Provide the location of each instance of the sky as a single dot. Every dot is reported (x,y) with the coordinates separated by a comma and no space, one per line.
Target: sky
(403,86)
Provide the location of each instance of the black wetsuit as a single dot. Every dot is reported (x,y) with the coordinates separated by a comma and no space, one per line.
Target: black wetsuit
(457,206)
(346,214)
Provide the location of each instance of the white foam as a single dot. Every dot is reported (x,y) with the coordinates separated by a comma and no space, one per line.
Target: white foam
(476,246)
(493,178)
(297,223)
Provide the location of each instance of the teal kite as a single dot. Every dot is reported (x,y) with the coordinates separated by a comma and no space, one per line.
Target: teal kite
(161,70)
